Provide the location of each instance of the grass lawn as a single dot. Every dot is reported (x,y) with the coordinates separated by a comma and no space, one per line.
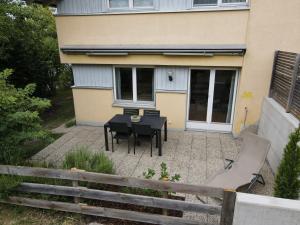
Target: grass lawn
(61,111)
(17,215)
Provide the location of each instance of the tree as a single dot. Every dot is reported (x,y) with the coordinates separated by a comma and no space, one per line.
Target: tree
(19,119)
(28,44)
(287,184)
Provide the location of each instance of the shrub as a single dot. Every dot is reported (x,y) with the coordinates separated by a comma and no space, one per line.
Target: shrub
(287,184)
(81,158)
(7,184)
(102,164)
(20,121)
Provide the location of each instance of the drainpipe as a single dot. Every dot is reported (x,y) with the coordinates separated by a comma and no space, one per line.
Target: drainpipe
(246,115)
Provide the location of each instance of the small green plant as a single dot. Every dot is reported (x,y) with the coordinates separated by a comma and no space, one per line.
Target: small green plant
(287,184)
(149,174)
(82,158)
(164,174)
(70,123)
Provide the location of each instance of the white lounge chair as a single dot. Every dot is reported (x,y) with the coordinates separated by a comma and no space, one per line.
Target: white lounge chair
(246,169)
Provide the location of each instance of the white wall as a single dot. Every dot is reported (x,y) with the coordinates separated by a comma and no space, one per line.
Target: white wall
(276,125)
(264,210)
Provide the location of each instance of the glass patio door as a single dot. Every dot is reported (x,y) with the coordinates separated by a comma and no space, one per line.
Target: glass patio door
(211,99)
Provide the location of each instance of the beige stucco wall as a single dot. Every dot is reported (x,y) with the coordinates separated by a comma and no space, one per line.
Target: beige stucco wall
(195,28)
(268,26)
(172,105)
(273,25)
(222,61)
(223,27)
(94,107)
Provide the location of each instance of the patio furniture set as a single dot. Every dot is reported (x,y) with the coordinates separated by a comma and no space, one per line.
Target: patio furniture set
(146,127)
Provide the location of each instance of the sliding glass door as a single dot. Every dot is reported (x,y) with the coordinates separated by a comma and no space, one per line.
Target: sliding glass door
(211,99)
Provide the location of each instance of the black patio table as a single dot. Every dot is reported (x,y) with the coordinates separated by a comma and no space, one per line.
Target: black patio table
(156,123)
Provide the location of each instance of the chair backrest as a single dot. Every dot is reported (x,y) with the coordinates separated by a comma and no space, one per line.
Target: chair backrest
(131,112)
(142,129)
(250,161)
(253,153)
(155,113)
(119,127)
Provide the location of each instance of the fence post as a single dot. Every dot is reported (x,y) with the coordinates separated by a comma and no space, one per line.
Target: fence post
(293,84)
(228,207)
(273,73)
(75,184)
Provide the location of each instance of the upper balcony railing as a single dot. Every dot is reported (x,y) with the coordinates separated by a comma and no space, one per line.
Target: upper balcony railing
(285,86)
(75,7)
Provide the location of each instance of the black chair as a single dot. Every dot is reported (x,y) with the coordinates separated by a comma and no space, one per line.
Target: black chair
(154,113)
(121,131)
(141,131)
(131,112)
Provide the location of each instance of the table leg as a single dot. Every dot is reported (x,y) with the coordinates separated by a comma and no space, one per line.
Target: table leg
(159,143)
(106,138)
(156,141)
(166,130)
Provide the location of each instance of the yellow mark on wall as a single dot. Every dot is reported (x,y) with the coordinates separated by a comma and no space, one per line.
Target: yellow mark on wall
(247,95)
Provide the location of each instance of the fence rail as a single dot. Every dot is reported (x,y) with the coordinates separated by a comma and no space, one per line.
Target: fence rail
(285,85)
(225,211)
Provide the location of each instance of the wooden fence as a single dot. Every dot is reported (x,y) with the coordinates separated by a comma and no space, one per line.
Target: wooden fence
(225,211)
(285,85)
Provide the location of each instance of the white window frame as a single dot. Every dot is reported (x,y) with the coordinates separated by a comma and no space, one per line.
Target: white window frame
(208,124)
(131,6)
(220,3)
(134,101)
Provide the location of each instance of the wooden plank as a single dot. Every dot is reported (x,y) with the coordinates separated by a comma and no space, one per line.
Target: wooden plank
(228,207)
(273,73)
(120,197)
(112,179)
(100,211)
(293,85)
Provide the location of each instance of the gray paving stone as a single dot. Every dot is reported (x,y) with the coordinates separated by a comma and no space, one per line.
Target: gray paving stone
(196,156)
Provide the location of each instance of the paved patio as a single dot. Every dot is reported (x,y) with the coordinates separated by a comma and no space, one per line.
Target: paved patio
(196,156)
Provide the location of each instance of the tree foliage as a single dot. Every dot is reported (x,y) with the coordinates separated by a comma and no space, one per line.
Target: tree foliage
(28,44)
(19,118)
(287,183)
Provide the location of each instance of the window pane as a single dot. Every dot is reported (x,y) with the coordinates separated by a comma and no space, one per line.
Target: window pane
(205,2)
(233,1)
(118,3)
(143,3)
(199,94)
(124,83)
(144,79)
(223,96)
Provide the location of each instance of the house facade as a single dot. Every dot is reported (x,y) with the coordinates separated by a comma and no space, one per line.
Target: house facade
(205,64)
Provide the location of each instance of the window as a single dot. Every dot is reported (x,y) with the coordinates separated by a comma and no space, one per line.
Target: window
(124,83)
(134,84)
(119,4)
(198,3)
(142,3)
(205,2)
(234,1)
